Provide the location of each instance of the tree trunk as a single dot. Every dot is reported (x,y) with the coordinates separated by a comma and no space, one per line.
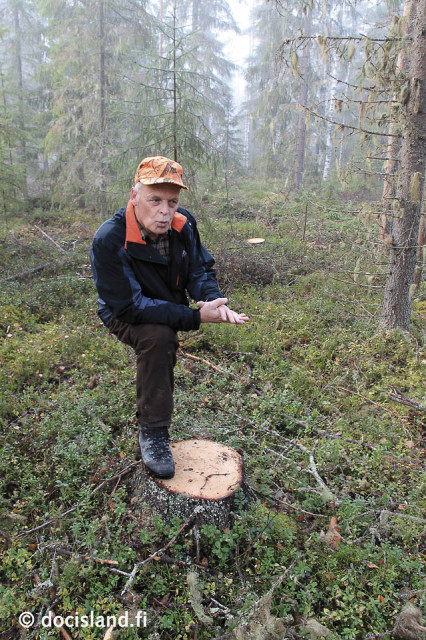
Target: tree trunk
(18,55)
(102,108)
(393,143)
(342,138)
(303,97)
(9,145)
(175,144)
(80,169)
(195,15)
(160,41)
(330,126)
(397,303)
(420,247)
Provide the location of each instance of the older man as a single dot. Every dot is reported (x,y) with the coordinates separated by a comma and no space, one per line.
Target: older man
(144,260)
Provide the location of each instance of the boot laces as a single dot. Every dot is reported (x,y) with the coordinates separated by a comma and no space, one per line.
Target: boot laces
(157,444)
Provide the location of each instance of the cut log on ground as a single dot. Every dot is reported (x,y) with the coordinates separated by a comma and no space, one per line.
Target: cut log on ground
(209,475)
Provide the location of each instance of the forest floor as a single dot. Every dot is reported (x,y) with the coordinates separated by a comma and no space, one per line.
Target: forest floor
(326,408)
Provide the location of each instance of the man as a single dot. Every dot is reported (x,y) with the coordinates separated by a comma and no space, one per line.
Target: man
(144,259)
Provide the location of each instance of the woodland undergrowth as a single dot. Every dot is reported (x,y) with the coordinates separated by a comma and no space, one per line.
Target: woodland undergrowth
(326,409)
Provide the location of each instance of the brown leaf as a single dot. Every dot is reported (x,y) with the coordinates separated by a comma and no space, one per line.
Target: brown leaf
(333,537)
(93,382)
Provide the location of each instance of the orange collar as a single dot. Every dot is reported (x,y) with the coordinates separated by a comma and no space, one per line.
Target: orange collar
(133,233)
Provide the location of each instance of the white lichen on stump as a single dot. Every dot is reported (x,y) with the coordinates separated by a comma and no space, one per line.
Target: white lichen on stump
(208,475)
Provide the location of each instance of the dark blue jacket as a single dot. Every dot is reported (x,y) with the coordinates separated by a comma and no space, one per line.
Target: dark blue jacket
(134,282)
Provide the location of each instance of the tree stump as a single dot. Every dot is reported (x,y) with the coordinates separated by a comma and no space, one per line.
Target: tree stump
(207,479)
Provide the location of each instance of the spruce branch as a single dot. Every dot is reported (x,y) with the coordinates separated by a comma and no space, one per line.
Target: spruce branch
(341,125)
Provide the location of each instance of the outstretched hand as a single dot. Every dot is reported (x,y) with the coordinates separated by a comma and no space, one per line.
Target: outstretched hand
(217,311)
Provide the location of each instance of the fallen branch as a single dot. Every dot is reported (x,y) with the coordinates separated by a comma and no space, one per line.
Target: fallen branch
(77,556)
(210,364)
(358,284)
(227,373)
(24,274)
(287,504)
(76,506)
(312,465)
(399,397)
(301,423)
(51,239)
(334,436)
(369,400)
(62,631)
(259,615)
(52,615)
(313,469)
(385,512)
(109,633)
(158,553)
(179,563)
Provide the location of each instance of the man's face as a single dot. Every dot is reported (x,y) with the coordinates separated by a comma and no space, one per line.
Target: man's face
(155,205)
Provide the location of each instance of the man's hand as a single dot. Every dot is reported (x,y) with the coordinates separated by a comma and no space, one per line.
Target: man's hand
(217,311)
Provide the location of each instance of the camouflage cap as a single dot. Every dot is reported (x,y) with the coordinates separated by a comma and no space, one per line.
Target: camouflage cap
(159,170)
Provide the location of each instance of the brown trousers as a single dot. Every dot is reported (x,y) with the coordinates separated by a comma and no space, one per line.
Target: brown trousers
(155,346)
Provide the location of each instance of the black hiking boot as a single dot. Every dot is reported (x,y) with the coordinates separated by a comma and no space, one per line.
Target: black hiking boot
(155,451)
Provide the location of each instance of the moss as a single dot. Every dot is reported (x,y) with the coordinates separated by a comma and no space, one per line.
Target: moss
(310,369)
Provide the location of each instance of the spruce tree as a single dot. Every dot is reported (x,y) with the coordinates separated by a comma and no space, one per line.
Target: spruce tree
(90,43)
(178,99)
(22,51)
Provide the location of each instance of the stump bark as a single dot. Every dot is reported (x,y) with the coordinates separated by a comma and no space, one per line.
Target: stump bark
(208,477)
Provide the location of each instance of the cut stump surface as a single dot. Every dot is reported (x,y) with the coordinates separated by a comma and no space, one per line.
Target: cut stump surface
(208,474)
(204,470)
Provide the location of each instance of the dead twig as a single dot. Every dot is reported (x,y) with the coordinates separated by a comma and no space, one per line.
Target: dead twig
(301,423)
(222,606)
(180,563)
(49,238)
(77,556)
(369,400)
(226,373)
(348,126)
(24,274)
(52,615)
(76,506)
(335,436)
(159,552)
(210,364)
(288,504)
(61,630)
(399,397)
(313,468)
(384,513)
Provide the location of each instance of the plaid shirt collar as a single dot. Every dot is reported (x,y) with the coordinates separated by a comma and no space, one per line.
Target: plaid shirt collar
(162,244)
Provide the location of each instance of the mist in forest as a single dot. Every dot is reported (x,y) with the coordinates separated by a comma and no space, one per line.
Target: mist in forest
(90,87)
(300,126)
(296,96)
